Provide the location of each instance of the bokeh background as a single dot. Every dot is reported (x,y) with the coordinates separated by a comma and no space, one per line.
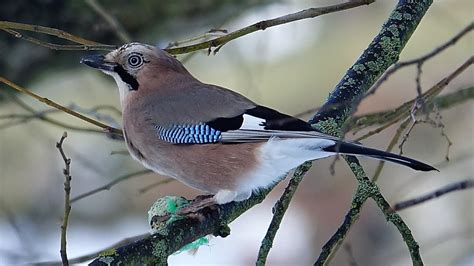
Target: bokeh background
(291,68)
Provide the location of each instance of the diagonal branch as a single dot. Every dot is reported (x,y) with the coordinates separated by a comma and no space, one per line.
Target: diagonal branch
(465,184)
(13,28)
(110,184)
(47,101)
(265,24)
(111,20)
(420,60)
(381,53)
(67,195)
(81,43)
(388,118)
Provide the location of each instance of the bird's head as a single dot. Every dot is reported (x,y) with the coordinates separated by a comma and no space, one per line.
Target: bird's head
(136,66)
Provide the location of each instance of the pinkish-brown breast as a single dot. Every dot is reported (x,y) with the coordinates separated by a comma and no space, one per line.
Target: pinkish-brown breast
(207,167)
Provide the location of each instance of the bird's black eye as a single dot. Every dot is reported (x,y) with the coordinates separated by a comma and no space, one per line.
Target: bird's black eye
(135,60)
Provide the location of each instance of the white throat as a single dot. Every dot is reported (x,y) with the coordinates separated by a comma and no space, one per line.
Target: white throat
(123,87)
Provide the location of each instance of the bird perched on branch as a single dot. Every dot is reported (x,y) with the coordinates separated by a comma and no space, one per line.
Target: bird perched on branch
(209,137)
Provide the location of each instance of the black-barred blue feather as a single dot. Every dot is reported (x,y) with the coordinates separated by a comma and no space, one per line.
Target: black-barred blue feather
(188,134)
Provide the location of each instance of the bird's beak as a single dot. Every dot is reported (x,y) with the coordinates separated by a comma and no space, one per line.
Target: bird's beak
(98,61)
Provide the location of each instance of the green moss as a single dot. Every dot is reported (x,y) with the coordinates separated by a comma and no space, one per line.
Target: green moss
(375,65)
(194,245)
(159,249)
(390,46)
(407,16)
(396,15)
(357,169)
(108,252)
(329,126)
(166,206)
(359,68)
(349,82)
(107,260)
(394,30)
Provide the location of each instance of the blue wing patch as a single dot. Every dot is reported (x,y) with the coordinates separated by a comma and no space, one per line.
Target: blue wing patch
(188,134)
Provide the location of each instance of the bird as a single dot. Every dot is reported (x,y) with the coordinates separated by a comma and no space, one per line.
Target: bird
(208,137)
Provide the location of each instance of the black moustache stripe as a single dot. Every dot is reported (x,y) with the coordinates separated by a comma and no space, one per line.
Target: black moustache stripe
(127,78)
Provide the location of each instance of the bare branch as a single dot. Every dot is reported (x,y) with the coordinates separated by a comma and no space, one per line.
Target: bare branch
(265,24)
(465,184)
(67,203)
(82,44)
(350,254)
(29,109)
(390,146)
(111,20)
(46,101)
(388,118)
(209,34)
(156,184)
(110,184)
(420,60)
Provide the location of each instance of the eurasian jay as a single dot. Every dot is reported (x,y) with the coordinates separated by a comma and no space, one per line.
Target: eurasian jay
(209,137)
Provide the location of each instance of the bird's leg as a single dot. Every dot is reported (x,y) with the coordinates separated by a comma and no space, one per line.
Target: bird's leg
(199,203)
(223,196)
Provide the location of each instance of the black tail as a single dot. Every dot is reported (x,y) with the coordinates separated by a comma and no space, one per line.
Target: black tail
(354,149)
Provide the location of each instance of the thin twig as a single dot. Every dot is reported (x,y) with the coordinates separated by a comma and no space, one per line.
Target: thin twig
(265,24)
(332,245)
(156,184)
(465,184)
(395,67)
(206,35)
(350,254)
(67,202)
(420,60)
(42,115)
(29,109)
(390,146)
(111,20)
(46,101)
(439,124)
(82,44)
(388,118)
(110,184)
(407,135)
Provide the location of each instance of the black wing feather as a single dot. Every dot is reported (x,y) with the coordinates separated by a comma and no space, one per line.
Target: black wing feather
(274,120)
(226,124)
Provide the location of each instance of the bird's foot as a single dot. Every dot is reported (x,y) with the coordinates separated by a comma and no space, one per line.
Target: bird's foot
(199,203)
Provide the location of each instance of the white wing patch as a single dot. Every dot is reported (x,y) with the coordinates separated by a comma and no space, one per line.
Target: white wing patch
(252,122)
